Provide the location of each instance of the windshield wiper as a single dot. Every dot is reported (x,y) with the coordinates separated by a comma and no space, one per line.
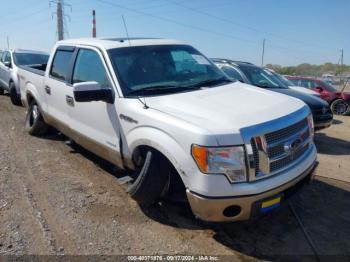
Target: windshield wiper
(160,89)
(212,82)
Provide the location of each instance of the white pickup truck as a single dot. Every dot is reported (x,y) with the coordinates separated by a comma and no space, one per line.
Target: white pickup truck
(161,110)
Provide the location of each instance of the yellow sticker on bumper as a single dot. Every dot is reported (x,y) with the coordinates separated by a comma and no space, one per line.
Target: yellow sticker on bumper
(270,204)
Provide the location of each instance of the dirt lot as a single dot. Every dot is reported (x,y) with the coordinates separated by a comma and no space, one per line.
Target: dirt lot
(57,198)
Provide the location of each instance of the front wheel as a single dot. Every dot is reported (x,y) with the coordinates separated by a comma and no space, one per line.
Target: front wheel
(339,107)
(35,124)
(151,179)
(2,92)
(15,98)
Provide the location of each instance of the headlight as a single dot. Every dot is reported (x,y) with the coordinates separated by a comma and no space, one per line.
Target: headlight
(310,121)
(229,161)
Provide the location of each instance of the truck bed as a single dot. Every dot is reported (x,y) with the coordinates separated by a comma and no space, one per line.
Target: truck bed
(31,79)
(36,69)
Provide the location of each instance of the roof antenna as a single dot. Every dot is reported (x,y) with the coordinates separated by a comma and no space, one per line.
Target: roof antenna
(145,106)
(126,30)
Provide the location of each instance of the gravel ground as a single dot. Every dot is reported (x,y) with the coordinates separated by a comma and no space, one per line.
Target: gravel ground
(59,199)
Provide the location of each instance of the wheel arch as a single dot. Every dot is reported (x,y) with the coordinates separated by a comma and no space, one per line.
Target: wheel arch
(155,139)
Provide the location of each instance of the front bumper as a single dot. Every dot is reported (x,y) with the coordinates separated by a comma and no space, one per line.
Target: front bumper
(212,209)
(322,120)
(323,124)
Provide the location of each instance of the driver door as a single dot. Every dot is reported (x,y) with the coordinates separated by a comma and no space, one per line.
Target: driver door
(95,124)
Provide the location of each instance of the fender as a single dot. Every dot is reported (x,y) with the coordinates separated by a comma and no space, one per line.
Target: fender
(30,90)
(164,143)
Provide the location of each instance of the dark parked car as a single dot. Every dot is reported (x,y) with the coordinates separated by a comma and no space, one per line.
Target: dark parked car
(258,76)
(339,101)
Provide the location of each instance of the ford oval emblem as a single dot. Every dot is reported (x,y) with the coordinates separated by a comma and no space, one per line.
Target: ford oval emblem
(292,146)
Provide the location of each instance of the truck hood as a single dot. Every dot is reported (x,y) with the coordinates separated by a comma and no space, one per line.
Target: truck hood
(226,109)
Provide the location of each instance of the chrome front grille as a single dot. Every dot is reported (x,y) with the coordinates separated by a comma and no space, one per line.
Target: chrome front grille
(279,149)
(286,161)
(285,132)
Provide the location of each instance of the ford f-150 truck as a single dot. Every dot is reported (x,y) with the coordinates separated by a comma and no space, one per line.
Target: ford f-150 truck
(164,112)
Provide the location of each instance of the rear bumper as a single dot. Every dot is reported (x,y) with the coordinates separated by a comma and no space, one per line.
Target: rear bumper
(212,209)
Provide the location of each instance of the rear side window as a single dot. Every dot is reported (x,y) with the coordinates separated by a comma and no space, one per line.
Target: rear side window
(60,64)
(89,67)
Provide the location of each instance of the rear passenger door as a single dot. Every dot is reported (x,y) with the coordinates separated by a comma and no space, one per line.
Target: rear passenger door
(56,90)
(95,123)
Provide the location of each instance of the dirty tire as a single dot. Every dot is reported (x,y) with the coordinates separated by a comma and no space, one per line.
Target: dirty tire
(151,180)
(35,124)
(15,98)
(339,107)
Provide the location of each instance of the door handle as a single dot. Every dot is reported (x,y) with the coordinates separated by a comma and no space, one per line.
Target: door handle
(48,90)
(70,100)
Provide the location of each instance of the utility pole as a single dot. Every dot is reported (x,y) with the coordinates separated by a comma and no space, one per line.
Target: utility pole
(263,53)
(8,42)
(93,23)
(60,29)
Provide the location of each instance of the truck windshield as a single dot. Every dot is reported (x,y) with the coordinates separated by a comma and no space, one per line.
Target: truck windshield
(30,59)
(161,69)
(261,77)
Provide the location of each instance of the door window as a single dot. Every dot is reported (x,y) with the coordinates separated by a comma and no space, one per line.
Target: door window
(60,64)
(89,67)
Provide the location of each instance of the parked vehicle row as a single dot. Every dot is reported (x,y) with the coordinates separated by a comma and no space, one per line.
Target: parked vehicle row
(175,122)
(264,78)
(339,101)
(10,60)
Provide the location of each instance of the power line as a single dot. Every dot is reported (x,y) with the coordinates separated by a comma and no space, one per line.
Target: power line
(245,26)
(24,17)
(178,23)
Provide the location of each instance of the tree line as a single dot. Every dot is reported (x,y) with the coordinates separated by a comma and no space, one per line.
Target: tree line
(310,70)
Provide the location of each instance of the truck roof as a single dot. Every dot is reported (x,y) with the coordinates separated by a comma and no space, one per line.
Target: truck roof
(25,51)
(109,43)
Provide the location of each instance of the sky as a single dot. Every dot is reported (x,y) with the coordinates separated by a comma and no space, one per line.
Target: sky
(296,31)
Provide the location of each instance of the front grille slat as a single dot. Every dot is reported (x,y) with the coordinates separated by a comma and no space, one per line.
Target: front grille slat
(285,132)
(274,148)
(279,164)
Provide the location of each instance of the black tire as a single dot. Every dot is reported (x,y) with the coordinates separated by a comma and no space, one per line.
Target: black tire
(340,107)
(15,98)
(35,124)
(2,92)
(151,179)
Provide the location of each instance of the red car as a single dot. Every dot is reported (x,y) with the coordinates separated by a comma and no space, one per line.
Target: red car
(339,101)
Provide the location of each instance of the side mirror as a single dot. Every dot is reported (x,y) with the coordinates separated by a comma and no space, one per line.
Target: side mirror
(319,89)
(7,63)
(92,91)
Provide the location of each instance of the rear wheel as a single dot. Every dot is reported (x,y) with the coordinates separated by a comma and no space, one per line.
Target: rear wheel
(15,98)
(2,92)
(151,179)
(339,107)
(35,124)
